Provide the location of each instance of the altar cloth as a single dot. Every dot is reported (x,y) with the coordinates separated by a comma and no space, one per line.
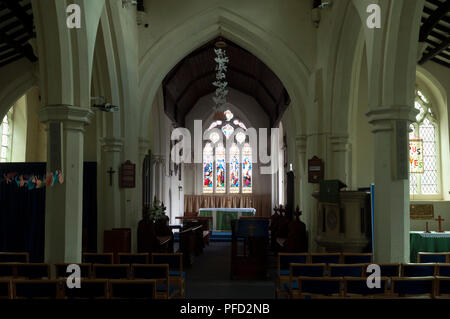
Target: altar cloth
(433,242)
(222,216)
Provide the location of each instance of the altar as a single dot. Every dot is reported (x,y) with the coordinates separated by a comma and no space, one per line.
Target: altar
(435,242)
(221,217)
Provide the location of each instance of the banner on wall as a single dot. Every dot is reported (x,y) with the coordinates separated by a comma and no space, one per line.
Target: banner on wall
(416,156)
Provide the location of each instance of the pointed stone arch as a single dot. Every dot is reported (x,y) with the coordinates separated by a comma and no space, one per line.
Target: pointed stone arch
(185,38)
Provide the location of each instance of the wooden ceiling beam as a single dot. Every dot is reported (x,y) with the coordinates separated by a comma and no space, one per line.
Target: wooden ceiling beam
(11,14)
(443,63)
(26,49)
(22,15)
(433,52)
(11,60)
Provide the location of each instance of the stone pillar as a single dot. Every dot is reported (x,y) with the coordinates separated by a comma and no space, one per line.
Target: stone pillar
(64,202)
(340,158)
(144,145)
(391,168)
(111,216)
(301,173)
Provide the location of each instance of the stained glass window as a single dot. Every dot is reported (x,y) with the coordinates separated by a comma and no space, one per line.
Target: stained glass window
(246,169)
(227,130)
(208,173)
(425,129)
(220,169)
(234,169)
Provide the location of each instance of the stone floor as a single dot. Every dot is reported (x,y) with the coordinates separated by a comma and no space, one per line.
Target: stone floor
(209,277)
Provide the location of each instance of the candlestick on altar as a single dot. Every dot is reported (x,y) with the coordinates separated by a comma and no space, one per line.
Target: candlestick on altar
(426,228)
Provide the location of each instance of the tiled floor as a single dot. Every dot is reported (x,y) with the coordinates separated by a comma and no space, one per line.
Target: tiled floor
(209,277)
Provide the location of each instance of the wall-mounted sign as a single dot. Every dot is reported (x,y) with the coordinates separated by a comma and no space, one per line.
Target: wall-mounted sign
(416,156)
(127,177)
(315,170)
(421,212)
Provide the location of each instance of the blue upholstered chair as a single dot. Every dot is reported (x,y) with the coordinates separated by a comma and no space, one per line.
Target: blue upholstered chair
(443,270)
(413,287)
(36,289)
(158,272)
(356,258)
(98,258)
(7,270)
(319,287)
(342,270)
(325,258)
(357,287)
(176,273)
(140,258)
(432,257)
(390,270)
(300,270)
(5,289)
(111,271)
(282,272)
(418,270)
(442,287)
(12,257)
(90,289)
(33,271)
(61,270)
(132,289)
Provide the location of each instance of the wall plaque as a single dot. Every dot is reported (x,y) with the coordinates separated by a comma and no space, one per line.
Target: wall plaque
(315,170)
(422,211)
(127,175)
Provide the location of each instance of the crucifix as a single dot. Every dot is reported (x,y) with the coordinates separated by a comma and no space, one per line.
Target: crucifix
(439,220)
(110,172)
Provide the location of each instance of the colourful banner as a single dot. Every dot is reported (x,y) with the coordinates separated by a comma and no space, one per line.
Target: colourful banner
(32,181)
(416,156)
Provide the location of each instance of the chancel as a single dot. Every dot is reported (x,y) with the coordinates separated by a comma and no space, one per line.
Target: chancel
(172,148)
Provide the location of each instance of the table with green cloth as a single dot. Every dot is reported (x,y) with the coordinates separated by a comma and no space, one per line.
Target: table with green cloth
(221,217)
(434,242)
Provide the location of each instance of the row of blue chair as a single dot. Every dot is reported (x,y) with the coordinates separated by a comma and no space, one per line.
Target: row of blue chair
(356,287)
(90,289)
(426,257)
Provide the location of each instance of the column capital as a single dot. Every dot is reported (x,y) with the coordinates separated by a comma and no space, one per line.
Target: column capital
(382,117)
(339,143)
(300,143)
(112,144)
(144,145)
(72,117)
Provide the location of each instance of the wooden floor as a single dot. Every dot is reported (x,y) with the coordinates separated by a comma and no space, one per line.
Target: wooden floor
(209,277)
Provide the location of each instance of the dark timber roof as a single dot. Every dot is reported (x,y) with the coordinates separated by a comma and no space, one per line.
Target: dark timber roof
(192,79)
(16,28)
(435,32)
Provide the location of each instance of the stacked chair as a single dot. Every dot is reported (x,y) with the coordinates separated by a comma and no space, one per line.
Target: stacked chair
(346,275)
(136,276)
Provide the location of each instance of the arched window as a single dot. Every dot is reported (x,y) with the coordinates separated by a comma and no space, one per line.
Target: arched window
(208,173)
(6,132)
(424,150)
(234,166)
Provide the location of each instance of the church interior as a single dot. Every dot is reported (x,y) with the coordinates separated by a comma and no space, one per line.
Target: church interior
(206,149)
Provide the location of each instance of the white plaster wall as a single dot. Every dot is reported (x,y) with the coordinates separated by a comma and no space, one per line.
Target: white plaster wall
(19,130)
(288,20)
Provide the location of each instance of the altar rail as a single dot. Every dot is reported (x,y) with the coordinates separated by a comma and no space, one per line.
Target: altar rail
(262,203)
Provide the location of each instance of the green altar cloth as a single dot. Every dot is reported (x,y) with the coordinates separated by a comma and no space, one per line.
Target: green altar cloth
(428,242)
(222,216)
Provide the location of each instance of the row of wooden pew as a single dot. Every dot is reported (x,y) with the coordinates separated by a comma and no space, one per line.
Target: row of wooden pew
(357,287)
(90,289)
